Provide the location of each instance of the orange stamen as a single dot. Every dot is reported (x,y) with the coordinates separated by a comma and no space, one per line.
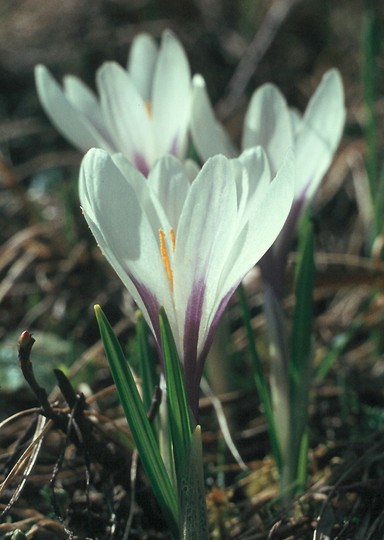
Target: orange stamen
(173,238)
(148,106)
(165,256)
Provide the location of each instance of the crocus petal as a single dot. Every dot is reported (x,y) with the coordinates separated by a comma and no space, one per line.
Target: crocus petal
(192,169)
(141,64)
(227,237)
(126,115)
(67,118)
(83,99)
(202,240)
(268,123)
(202,243)
(162,195)
(320,133)
(209,137)
(149,205)
(266,216)
(256,164)
(170,186)
(109,203)
(171,97)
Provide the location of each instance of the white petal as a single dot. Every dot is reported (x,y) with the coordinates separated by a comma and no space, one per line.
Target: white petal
(84,99)
(67,119)
(268,123)
(170,185)
(141,64)
(320,133)
(209,136)
(171,97)
(204,237)
(241,180)
(192,169)
(252,179)
(266,218)
(125,114)
(256,163)
(205,223)
(119,224)
(145,196)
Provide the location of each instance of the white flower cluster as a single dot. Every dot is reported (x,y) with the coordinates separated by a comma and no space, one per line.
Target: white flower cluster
(177,236)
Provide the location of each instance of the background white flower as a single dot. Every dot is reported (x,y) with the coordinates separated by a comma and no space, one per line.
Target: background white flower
(269,122)
(142,111)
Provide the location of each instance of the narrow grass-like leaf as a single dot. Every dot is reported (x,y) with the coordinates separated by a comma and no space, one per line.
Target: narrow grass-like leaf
(301,345)
(302,462)
(147,369)
(378,203)
(179,411)
(193,511)
(336,347)
(301,337)
(186,443)
(260,380)
(139,425)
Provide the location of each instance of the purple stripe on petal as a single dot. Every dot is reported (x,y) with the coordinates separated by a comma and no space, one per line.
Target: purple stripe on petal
(193,364)
(151,303)
(289,230)
(174,149)
(273,264)
(211,332)
(141,164)
(191,336)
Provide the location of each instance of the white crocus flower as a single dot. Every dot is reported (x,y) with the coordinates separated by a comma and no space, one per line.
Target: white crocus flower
(269,122)
(142,111)
(185,245)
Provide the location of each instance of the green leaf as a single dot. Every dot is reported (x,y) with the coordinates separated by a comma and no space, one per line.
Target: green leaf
(139,425)
(193,511)
(336,347)
(186,443)
(260,380)
(147,369)
(179,411)
(300,366)
(301,337)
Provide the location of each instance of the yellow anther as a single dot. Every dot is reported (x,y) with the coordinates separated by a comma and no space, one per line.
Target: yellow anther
(148,106)
(165,256)
(173,238)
